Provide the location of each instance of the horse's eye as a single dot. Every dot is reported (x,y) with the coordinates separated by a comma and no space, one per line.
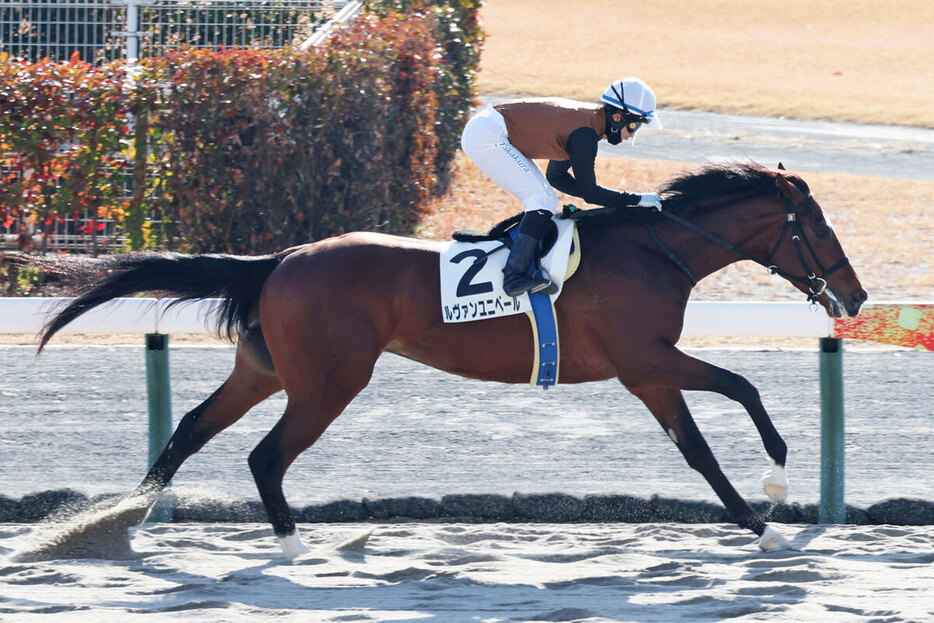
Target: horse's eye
(822,231)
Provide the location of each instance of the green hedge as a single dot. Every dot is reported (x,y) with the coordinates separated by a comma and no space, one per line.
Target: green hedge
(246,151)
(459,39)
(263,150)
(43,108)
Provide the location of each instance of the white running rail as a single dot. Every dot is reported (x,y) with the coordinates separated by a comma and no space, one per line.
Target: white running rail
(150,315)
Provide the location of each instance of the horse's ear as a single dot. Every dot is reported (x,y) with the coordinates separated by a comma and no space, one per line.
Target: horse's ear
(787,189)
(781,167)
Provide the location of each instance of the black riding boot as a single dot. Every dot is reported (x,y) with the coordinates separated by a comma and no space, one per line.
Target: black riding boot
(524,250)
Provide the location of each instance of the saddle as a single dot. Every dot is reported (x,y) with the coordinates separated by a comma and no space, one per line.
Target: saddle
(501,233)
(600,217)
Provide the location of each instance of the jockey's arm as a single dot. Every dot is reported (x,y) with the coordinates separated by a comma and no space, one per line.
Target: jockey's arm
(582,148)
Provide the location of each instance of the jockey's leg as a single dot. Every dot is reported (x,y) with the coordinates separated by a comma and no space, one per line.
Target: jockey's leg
(486,143)
(525,251)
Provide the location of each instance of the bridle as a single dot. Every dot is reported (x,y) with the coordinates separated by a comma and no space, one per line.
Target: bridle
(815,283)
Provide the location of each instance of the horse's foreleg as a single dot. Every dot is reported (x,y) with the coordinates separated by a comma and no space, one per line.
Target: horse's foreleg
(689,373)
(670,410)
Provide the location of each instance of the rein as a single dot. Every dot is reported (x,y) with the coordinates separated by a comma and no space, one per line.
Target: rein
(816,285)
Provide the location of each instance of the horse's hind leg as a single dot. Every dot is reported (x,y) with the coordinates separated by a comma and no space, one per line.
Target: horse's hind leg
(669,408)
(324,335)
(306,417)
(248,384)
(321,375)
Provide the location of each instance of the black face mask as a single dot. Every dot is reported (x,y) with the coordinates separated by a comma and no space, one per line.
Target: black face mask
(614,130)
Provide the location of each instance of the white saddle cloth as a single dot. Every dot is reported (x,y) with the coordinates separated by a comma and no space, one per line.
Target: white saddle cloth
(472,282)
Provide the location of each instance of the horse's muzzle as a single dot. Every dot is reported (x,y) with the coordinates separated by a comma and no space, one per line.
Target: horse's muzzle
(836,303)
(855,302)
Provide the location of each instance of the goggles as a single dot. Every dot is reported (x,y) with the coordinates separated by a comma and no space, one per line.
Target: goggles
(631,121)
(634,123)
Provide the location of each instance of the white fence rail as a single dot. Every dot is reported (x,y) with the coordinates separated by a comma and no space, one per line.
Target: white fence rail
(337,22)
(129,315)
(150,315)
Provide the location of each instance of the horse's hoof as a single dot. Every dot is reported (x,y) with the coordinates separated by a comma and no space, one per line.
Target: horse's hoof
(775,483)
(292,545)
(772,540)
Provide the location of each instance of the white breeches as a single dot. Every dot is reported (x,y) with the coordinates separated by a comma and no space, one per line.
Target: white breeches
(486,143)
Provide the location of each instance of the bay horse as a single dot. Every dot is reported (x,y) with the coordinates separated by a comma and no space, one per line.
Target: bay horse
(313,320)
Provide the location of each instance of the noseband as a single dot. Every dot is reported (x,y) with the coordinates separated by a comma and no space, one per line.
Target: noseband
(816,284)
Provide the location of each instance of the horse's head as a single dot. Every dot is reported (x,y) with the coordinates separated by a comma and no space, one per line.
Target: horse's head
(811,258)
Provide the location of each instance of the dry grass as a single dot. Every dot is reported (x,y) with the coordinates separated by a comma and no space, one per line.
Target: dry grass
(885,226)
(847,60)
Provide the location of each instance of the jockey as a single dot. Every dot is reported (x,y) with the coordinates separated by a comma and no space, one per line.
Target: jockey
(503,140)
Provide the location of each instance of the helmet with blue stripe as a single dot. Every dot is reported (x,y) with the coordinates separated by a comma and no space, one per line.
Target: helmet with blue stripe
(633,98)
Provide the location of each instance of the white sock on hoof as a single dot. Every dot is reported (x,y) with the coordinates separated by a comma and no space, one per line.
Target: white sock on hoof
(292,545)
(775,483)
(772,540)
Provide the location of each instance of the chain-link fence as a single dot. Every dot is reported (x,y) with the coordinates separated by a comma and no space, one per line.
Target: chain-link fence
(105,30)
(57,29)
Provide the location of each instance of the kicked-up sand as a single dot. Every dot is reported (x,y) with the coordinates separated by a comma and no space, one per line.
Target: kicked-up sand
(101,532)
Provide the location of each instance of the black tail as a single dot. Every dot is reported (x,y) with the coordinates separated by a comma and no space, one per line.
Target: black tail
(238,280)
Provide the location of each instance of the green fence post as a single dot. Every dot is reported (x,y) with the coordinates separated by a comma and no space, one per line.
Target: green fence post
(832,506)
(160,409)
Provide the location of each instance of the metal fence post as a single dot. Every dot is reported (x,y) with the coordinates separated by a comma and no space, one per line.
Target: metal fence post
(132,31)
(832,506)
(160,409)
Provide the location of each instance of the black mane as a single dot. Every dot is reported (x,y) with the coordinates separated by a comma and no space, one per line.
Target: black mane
(691,187)
(717,180)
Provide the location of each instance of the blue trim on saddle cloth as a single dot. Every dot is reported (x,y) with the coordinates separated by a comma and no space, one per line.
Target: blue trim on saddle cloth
(546,330)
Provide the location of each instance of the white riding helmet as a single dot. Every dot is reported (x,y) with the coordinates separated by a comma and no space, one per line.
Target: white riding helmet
(635,98)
